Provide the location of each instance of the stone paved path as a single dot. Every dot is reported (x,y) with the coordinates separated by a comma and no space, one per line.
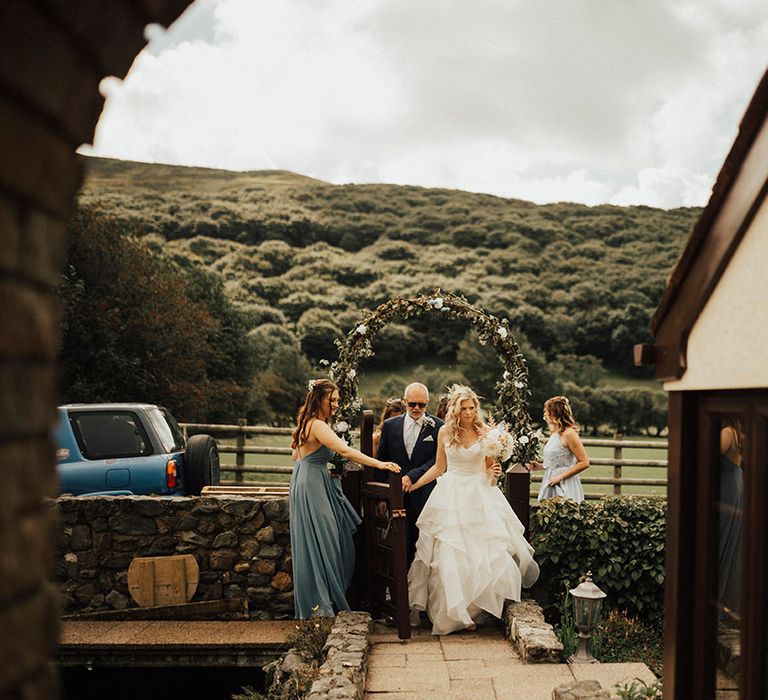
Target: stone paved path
(472,665)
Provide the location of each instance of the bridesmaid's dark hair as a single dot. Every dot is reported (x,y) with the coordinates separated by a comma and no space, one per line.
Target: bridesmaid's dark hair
(316,392)
(559,409)
(393,407)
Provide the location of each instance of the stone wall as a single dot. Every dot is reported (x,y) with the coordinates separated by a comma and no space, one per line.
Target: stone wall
(241,544)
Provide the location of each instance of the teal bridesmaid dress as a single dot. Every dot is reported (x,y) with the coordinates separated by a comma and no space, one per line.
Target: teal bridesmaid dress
(323,523)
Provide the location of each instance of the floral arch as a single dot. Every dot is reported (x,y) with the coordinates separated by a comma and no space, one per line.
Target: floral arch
(513,388)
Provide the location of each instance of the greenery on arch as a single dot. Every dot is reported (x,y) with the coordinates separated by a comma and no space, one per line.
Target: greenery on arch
(511,406)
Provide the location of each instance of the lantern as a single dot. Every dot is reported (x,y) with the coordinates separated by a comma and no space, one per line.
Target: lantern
(587,603)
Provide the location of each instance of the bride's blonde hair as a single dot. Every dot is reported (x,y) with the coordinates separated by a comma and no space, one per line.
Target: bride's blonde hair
(456,394)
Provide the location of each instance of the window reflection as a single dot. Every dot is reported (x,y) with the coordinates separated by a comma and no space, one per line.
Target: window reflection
(728,513)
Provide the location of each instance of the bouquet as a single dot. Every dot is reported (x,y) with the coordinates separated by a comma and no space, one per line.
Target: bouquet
(499,444)
(340,465)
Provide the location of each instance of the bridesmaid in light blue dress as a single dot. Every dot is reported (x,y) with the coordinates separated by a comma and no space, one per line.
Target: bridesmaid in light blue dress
(322,520)
(564,454)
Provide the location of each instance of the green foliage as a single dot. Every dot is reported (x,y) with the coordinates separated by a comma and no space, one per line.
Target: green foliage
(621,638)
(580,282)
(639,690)
(481,366)
(295,686)
(309,641)
(620,539)
(626,410)
(577,279)
(280,380)
(310,636)
(565,629)
(135,327)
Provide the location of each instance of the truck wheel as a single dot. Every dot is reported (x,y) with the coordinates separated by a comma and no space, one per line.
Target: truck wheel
(202,464)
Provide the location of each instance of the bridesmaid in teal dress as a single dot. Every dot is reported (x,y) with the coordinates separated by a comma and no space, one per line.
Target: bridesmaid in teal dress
(322,520)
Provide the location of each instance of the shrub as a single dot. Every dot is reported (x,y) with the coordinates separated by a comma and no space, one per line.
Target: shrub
(309,641)
(620,539)
(621,638)
(639,690)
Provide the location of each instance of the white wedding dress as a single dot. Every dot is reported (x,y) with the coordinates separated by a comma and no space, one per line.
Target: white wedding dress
(471,554)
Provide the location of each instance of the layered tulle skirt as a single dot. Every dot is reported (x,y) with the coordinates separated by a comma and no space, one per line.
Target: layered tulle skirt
(471,554)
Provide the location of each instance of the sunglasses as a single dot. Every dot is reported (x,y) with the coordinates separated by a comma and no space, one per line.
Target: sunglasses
(413,404)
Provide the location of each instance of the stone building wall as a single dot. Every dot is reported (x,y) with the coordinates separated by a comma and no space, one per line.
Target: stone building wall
(52,56)
(241,544)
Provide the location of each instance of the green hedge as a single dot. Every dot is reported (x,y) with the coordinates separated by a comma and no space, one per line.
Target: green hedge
(620,539)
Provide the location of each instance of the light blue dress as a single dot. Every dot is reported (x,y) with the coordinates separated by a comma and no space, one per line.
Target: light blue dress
(558,459)
(323,523)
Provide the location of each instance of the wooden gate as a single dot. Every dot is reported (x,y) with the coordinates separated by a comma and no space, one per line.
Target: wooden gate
(381,574)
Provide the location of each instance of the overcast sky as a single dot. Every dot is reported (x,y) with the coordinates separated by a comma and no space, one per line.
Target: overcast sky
(620,101)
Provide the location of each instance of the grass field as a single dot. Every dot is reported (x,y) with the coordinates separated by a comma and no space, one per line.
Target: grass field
(621,381)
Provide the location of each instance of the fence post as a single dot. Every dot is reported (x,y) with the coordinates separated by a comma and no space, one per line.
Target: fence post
(517,489)
(617,452)
(240,454)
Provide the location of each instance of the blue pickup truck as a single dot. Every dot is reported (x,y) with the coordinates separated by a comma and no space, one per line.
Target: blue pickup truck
(130,448)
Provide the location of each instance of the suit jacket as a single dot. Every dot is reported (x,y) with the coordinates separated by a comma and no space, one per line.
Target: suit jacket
(392,449)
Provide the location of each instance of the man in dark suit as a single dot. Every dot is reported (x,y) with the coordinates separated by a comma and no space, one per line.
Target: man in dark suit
(410,441)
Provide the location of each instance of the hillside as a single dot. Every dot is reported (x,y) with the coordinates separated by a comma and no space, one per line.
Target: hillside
(310,256)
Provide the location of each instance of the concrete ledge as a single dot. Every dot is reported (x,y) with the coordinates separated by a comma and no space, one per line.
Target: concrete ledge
(532,636)
(580,690)
(343,673)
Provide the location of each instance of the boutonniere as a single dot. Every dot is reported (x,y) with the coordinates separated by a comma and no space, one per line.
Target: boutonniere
(428,422)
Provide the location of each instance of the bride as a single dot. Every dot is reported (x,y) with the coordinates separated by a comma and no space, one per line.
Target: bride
(471,555)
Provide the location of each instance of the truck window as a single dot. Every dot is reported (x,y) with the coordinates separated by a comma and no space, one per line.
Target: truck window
(167,429)
(105,435)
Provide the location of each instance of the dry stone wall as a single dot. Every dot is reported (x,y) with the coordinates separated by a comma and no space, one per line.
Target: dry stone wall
(241,544)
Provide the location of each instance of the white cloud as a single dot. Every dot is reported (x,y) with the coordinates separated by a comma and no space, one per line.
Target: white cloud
(588,101)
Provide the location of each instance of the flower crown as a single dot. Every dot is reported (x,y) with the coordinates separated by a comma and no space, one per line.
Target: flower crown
(455,389)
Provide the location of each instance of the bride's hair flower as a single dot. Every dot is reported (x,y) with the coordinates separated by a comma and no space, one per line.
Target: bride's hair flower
(311,384)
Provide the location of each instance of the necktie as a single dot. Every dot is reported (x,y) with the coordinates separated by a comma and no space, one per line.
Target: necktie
(413,434)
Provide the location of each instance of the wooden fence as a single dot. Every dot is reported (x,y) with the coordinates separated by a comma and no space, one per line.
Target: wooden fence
(608,459)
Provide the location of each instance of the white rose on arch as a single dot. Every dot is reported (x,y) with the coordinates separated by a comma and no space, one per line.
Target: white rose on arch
(436,303)
(342,426)
(503,332)
(362,329)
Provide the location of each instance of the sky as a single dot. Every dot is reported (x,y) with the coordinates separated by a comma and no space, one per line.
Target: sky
(593,101)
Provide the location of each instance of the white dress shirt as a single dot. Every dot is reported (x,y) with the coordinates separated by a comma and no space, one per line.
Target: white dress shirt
(411,430)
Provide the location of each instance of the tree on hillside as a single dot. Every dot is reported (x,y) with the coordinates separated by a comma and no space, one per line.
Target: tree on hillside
(280,381)
(483,369)
(135,328)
